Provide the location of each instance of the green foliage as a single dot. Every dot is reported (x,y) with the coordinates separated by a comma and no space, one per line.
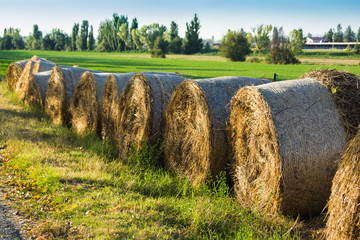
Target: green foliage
(91,42)
(74,34)
(338,35)
(160,48)
(193,43)
(349,35)
(124,35)
(150,33)
(108,34)
(356,48)
(261,38)
(296,41)
(235,46)
(12,40)
(348,49)
(330,35)
(81,42)
(175,45)
(135,36)
(280,51)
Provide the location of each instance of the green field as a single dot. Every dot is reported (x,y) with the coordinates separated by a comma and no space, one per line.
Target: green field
(75,187)
(198,66)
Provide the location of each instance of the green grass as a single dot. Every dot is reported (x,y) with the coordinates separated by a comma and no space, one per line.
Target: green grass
(74,187)
(199,68)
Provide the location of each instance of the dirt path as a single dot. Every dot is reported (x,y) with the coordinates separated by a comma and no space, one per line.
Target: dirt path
(9,224)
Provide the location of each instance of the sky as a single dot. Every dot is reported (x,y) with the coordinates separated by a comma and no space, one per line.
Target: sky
(216,17)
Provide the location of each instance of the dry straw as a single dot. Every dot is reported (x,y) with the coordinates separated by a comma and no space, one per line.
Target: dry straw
(285,138)
(86,102)
(32,85)
(142,108)
(61,88)
(343,207)
(344,87)
(15,70)
(114,88)
(195,141)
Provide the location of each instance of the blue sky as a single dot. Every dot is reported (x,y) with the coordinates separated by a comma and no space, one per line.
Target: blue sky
(216,17)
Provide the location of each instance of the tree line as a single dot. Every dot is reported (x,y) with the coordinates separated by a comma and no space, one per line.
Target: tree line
(114,35)
(337,35)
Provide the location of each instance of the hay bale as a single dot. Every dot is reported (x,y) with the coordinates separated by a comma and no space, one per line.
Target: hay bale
(32,90)
(285,138)
(61,88)
(42,65)
(15,70)
(195,141)
(343,208)
(86,102)
(114,88)
(344,87)
(142,109)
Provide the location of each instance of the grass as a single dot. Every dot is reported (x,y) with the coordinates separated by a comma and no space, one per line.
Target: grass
(73,187)
(197,66)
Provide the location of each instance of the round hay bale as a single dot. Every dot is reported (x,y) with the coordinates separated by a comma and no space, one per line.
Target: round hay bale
(15,70)
(42,65)
(86,102)
(61,88)
(345,90)
(285,138)
(343,208)
(195,142)
(114,87)
(142,109)
(32,90)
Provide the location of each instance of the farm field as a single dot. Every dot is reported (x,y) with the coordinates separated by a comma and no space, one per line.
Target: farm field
(195,66)
(68,186)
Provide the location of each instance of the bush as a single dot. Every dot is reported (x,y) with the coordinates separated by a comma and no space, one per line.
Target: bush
(160,48)
(281,55)
(235,46)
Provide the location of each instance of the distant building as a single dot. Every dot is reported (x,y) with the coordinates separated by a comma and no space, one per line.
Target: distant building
(316,40)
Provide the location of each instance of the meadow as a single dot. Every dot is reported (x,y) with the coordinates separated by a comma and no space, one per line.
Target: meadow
(68,186)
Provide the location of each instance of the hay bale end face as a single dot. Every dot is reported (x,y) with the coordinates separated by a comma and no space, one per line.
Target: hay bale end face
(114,87)
(345,90)
(285,138)
(61,88)
(343,208)
(86,102)
(195,141)
(142,109)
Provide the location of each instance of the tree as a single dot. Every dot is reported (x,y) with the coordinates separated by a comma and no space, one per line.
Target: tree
(348,49)
(160,47)
(134,25)
(123,34)
(135,36)
(81,42)
(91,42)
(358,35)
(296,41)
(149,34)
(330,35)
(261,37)
(175,44)
(48,43)
(193,44)
(235,46)
(74,35)
(280,51)
(338,36)
(349,35)
(356,48)
(37,38)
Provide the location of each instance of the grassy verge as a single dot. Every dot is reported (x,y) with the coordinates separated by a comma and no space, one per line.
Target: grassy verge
(73,187)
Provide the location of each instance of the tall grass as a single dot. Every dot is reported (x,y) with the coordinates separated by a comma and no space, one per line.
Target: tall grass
(74,186)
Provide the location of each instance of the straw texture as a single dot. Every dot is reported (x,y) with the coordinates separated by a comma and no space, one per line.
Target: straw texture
(285,138)
(195,143)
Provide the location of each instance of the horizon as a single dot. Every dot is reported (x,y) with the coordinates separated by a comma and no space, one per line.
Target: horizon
(215,19)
